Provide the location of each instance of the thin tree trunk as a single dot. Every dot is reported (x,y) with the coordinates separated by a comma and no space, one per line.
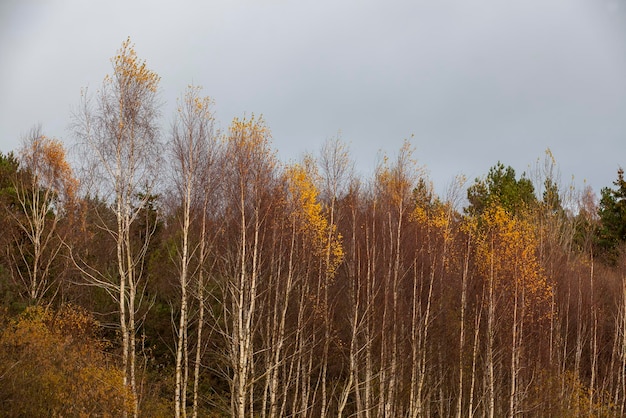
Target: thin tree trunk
(369,326)
(491,318)
(594,340)
(514,353)
(622,332)
(459,405)
(391,397)
(200,290)
(479,311)
(180,390)
(122,307)
(280,332)
(414,401)
(423,343)
(240,318)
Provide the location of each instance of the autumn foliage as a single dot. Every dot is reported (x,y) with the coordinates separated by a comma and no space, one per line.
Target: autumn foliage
(54,363)
(201,276)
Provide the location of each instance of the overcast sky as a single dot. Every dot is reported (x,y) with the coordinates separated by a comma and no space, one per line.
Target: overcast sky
(469,82)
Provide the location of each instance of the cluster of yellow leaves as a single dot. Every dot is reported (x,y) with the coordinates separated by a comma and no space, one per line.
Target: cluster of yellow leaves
(250,157)
(310,218)
(394,184)
(201,104)
(433,214)
(249,133)
(130,71)
(53,365)
(249,139)
(396,181)
(419,215)
(436,216)
(194,104)
(508,245)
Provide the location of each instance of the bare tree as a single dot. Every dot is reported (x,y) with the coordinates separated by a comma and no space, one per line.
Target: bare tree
(395,184)
(45,189)
(119,139)
(335,171)
(249,179)
(194,150)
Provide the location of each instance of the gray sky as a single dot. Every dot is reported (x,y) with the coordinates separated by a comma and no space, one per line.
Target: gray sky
(470,82)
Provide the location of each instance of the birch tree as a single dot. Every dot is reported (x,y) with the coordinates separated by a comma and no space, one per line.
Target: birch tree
(334,165)
(194,151)
(119,140)
(395,184)
(45,189)
(249,180)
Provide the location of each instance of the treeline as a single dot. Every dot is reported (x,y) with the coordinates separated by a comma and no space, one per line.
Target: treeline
(190,272)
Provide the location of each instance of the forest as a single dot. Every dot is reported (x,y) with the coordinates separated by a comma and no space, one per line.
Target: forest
(188,272)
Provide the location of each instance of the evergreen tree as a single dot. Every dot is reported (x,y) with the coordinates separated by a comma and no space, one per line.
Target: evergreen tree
(612,212)
(501,187)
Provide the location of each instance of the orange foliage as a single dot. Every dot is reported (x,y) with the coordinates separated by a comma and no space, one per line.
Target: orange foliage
(52,364)
(46,159)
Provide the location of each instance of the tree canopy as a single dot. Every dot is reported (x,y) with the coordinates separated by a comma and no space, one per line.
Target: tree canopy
(503,188)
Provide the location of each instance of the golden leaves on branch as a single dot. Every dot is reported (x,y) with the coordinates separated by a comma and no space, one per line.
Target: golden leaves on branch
(507,248)
(129,70)
(396,181)
(310,218)
(194,104)
(54,364)
(249,153)
(435,214)
(249,133)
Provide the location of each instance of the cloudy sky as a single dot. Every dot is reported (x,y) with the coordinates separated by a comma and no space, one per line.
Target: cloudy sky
(469,82)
